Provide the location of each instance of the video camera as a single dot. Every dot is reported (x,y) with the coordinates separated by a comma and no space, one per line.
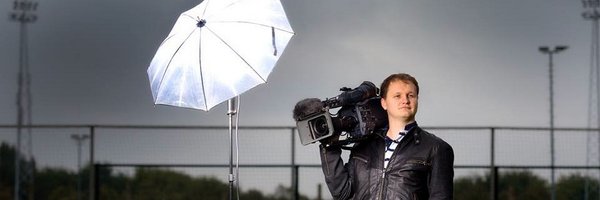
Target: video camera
(359,116)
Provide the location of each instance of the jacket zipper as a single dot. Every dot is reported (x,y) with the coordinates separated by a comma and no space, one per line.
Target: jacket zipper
(381,185)
(383,172)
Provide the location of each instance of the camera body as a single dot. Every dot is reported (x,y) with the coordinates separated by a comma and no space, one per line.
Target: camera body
(359,116)
(315,128)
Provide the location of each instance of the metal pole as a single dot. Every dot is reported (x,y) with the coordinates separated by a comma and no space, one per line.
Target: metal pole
(551,52)
(596,59)
(552,161)
(20,109)
(23,14)
(592,14)
(493,171)
(79,138)
(294,167)
(93,177)
(296,195)
(232,110)
(319,191)
(79,170)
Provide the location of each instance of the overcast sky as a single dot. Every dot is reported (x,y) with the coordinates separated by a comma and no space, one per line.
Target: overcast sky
(477,61)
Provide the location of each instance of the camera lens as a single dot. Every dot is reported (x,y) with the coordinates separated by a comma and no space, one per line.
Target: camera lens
(319,126)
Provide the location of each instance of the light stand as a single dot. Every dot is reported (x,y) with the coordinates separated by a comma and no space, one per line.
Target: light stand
(551,52)
(232,109)
(79,138)
(23,13)
(591,13)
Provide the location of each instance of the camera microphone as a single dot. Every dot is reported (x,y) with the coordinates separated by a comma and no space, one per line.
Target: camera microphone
(307,108)
(364,91)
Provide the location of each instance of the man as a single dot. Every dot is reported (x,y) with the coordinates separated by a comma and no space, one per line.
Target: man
(401,161)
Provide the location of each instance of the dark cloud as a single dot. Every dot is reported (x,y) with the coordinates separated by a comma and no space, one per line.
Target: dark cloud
(89,59)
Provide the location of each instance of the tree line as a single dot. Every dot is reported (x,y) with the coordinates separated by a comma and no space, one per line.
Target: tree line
(146,183)
(161,183)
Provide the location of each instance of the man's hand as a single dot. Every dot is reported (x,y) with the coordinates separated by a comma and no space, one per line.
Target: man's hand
(330,140)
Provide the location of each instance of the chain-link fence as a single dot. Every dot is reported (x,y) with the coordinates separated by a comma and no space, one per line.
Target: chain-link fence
(126,160)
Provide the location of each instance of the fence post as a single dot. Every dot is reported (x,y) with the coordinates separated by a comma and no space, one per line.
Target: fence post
(296,192)
(97,181)
(93,174)
(493,168)
(319,191)
(494,183)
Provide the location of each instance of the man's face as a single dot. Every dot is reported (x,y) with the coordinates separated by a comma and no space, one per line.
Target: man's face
(401,101)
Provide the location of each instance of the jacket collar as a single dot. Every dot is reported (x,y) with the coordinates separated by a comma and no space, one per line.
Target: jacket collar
(409,129)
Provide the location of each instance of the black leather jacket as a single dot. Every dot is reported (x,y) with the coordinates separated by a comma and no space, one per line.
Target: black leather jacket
(420,168)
